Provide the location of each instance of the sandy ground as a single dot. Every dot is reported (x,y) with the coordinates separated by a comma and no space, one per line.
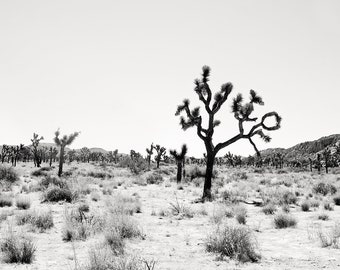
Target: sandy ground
(178,243)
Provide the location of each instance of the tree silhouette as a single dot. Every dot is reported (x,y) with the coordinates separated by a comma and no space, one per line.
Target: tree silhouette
(180,159)
(160,153)
(37,153)
(242,113)
(63,142)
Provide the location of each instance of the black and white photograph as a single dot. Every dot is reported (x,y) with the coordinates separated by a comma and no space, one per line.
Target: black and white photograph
(169,135)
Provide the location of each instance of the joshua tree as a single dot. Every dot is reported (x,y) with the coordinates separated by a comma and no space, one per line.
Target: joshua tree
(5,151)
(242,113)
(52,154)
(310,164)
(85,154)
(63,142)
(230,158)
(160,154)
(37,153)
(149,151)
(327,157)
(115,154)
(16,150)
(180,159)
(318,162)
(72,154)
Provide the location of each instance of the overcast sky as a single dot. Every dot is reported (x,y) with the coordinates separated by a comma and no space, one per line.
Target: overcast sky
(116,70)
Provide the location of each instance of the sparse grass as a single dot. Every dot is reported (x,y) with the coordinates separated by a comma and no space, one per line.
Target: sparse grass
(180,209)
(234,241)
(283,220)
(240,214)
(17,249)
(125,226)
(6,201)
(41,221)
(23,202)
(115,241)
(331,238)
(122,204)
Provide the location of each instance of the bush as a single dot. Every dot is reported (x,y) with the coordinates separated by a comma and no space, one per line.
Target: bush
(336,200)
(240,214)
(101,175)
(324,189)
(84,207)
(327,206)
(154,178)
(8,174)
(136,165)
(323,216)
(5,201)
(115,242)
(234,241)
(305,206)
(18,249)
(283,220)
(288,197)
(56,194)
(269,209)
(23,203)
(331,238)
(125,226)
(41,172)
(52,180)
(122,204)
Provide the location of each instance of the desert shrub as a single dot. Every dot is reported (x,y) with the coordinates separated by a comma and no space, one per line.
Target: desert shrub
(330,238)
(305,206)
(18,249)
(38,220)
(8,174)
(328,206)
(240,214)
(154,178)
(323,188)
(114,240)
(220,212)
(282,171)
(23,203)
(103,259)
(178,208)
(229,196)
(50,180)
(285,208)
(5,201)
(56,194)
(314,203)
(84,207)
(323,216)
(122,204)
(41,172)
(136,165)
(125,226)
(234,241)
(197,172)
(269,209)
(283,220)
(79,225)
(336,200)
(239,176)
(288,197)
(97,174)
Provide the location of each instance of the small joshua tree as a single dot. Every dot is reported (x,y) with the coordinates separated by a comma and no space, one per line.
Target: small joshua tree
(52,152)
(160,154)
(327,155)
(242,113)
(37,153)
(149,151)
(63,142)
(180,159)
(115,154)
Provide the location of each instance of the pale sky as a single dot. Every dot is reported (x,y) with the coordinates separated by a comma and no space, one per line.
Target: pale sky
(116,70)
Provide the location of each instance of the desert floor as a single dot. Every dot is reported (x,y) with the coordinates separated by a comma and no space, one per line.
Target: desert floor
(178,241)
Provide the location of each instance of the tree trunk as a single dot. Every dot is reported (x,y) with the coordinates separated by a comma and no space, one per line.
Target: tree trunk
(179,172)
(208,176)
(61,161)
(184,173)
(158,163)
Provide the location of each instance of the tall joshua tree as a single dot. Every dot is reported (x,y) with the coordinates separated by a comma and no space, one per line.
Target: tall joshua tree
(63,142)
(149,151)
(242,113)
(180,159)
(327,155)
(160,153)
(37,153)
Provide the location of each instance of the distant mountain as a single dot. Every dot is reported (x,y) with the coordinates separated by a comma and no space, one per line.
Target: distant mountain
(97,149)
(305,149)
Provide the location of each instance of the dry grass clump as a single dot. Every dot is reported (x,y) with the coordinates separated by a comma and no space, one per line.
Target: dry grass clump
(180,209)
(50,180)
(124,225)
(283,220)
(234,241)
(122,204)
(330,238)
(41,172)
(240,213)
(269,209)
(8,175)
(6,200)
(323,216)
(17,249)
(79,225)
(328,206)
(38,220)
(23,202)
(336,199)
(99,174)
(154,178)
